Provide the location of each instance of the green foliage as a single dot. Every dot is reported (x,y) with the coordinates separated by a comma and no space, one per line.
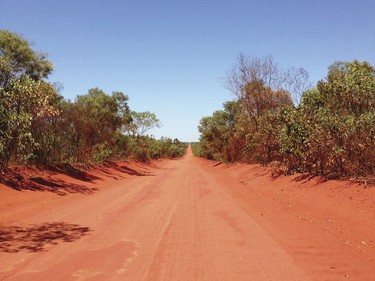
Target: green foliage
(141,122)
(91,129)
(21,102)
(24,97)
(37,125)
(145,148)
(167,148)
(96,117)
(53,134)
(18,59)
(350,88)
(216,132)
(234,135)
(102,152)
(84,130)
(196,149)
(330,133)
(267,146)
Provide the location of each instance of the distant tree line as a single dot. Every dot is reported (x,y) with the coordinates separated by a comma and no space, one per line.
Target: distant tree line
(37,125)
(328,130)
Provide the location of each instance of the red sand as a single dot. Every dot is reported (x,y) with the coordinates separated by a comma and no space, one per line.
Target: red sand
(186,219)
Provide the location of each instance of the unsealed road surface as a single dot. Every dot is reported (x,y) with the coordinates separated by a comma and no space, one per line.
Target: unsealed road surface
(178,221)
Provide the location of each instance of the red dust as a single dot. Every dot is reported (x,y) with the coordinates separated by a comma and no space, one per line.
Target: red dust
(186,219)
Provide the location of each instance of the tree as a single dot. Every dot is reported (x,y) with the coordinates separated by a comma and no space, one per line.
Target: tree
(96,118)
(141,122)
(261,85)
(332,131)
(38,124)
(18,59)
(53,133)
(349,95)
(217,131)
(349,88)
(22,101)
(24,96)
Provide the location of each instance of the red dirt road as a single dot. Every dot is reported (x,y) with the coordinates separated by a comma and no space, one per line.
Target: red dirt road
(188,219)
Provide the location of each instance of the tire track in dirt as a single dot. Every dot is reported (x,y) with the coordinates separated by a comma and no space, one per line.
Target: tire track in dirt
(187,220)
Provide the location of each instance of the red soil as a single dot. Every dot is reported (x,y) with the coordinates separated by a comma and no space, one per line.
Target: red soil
(186,219)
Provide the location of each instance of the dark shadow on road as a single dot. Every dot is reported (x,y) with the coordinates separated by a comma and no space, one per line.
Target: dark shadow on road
(44,177)
(61,187)
(124,169)
(19,182)
(36,238)
(73,172)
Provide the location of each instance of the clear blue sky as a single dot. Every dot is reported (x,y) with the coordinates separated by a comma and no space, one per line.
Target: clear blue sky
(170,57)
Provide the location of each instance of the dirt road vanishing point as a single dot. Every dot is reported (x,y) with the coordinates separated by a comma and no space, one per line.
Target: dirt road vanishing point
(188,219)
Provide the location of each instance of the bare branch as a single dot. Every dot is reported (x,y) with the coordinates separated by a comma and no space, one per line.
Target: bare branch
(265,77)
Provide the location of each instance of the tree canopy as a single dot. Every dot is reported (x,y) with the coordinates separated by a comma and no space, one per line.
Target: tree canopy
(17,59)
(330,132)
(37,125)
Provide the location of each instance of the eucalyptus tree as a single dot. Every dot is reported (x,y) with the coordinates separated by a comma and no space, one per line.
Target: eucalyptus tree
(24,95)
(332,132)
(260,85)
(17,58)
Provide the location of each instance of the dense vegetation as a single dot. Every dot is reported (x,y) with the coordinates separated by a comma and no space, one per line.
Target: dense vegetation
(37,125)
(328,130)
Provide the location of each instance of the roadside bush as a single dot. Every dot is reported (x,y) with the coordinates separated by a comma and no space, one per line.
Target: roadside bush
(330,133)
(37,125)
